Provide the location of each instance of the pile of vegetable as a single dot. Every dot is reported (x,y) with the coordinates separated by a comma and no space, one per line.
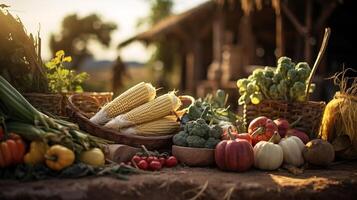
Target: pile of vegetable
(139,111)
(269,145)
(54,143)
(152,160)
(198,134)
(205,122)
(287,81)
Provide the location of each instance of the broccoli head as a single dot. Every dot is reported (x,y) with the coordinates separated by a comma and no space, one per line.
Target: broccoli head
(211,143)
(198,128)
(273,92)
(180,139)
(195,141)
(194,112)
(284,65)
(297,92)
(215,132)
(283,88)
(284,59)
(242,83)
(269,72)
(293,76)
(277,78)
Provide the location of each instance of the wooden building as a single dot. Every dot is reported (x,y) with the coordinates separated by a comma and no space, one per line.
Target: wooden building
(223,40)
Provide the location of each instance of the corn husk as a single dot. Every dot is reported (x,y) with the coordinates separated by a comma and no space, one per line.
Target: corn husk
(339,122)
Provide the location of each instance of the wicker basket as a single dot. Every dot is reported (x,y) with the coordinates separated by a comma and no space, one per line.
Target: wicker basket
(81,107)
(47,103)
(309,111)
(56,103)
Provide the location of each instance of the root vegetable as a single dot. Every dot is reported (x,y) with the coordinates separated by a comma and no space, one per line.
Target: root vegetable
(319,152)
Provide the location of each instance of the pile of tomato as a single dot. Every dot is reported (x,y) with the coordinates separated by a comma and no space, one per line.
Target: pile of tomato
(154,163)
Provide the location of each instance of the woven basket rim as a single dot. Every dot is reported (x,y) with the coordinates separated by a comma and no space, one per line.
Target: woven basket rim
(108,130)
(287,102)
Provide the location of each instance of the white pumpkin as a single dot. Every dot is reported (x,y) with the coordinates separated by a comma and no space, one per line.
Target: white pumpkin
(267,155)
(292,149)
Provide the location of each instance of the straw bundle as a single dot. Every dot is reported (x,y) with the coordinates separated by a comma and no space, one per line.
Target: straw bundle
(339,122)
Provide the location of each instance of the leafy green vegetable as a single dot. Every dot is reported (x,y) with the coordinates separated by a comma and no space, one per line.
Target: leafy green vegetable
(211,143)
(195,141)
(61,79)
(285,82)
(180,139)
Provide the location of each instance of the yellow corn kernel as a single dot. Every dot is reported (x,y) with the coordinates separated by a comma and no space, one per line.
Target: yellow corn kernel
(164,126)
(158,108)
(132,98)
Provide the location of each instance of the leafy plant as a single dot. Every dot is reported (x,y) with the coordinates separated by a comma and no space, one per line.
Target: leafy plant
(61,79)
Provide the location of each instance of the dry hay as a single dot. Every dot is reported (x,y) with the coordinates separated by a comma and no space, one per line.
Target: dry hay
(339,122)
(20,62)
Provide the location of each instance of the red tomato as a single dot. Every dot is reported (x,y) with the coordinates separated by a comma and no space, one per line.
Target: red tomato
(149,159)
(136,159)
(155,165)
(162,161)
(1,133)
(261,129)
(234,155)
(245,136)
(143,164)
(283,126)
(171,161)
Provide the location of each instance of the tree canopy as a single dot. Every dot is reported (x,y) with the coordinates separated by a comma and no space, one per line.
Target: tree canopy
(76,34)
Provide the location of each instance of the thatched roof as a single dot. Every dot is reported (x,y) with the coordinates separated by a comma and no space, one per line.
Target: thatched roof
(171,23)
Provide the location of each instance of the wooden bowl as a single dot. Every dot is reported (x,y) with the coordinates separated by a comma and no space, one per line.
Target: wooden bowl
(194,157)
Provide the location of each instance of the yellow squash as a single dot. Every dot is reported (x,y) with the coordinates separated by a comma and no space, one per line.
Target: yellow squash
(59,157)
(36,155)
(94,157)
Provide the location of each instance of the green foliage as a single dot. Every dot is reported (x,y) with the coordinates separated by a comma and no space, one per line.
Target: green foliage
(211,143)
(285,82)
(180,139)
(215,131)
(198,134)
(78,32)
(61,79)
(195,141)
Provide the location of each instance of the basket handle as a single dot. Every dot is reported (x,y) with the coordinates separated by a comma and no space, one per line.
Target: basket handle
(72,105)
(317,61)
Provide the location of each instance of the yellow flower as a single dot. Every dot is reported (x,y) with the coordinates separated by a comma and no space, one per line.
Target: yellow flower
(60,53)
(67,59)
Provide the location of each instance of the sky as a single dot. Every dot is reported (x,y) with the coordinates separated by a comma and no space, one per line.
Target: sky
(48,15)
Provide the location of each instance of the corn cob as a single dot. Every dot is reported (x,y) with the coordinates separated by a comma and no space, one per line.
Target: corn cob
(163,126)
(132,98)
(155,109)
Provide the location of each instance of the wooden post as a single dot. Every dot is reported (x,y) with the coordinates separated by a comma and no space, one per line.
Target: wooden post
(218,31)
(279,31)
(308,34)
(194,66)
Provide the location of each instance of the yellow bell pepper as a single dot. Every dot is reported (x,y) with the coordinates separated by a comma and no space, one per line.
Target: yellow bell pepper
(36,155)
(59,157)
(94,157)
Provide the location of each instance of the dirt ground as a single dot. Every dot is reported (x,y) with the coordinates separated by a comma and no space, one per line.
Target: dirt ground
(337,182)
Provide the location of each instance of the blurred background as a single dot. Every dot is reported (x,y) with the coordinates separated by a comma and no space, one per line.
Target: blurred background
(194,46)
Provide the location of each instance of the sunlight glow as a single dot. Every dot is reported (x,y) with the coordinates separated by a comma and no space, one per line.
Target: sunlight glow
(48,16)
